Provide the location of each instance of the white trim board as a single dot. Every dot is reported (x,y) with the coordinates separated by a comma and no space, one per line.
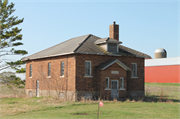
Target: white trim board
(162,61)
(117,62)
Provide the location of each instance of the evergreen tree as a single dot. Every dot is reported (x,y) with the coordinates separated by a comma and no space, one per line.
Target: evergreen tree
(9,35)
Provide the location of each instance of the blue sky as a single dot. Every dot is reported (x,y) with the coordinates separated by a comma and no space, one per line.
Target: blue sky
(145,25)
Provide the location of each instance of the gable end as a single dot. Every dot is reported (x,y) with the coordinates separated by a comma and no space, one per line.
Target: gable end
(106,65)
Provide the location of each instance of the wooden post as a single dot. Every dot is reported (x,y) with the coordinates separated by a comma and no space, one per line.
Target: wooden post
(98,111)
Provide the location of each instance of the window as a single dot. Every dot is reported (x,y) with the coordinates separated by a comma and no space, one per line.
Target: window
(87,68)
(107,82)
(121,83)
(49,69)
(134,70)
(30,71)
(62,68)
(112,47)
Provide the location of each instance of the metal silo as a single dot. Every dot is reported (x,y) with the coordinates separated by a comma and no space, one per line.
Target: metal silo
(160,53)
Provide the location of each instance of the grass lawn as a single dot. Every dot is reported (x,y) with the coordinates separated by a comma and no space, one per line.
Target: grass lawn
(110,109)
(28,108)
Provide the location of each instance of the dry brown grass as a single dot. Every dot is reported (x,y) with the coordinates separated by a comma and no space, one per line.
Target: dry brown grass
(11,106)
(114,99)
(133,100)
(13,92)
(15,108)
(162,92)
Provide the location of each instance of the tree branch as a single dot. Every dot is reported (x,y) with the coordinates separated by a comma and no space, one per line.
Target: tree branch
(4,67)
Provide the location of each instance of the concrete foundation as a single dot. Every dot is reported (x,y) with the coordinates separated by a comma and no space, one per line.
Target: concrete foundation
(135,94)
(76,96)
(64,95)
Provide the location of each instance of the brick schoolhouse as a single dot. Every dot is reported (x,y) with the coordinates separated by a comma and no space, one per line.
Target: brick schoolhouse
(87,66)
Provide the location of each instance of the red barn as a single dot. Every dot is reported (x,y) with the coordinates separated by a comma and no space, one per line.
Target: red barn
(163,70)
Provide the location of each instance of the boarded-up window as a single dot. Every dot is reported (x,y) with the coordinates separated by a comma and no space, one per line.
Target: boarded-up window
(49,69)
(112,47)
(62,68)
(30,71)
(134,70)
(30,93)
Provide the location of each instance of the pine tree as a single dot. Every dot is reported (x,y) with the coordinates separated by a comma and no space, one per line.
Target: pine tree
(9,35)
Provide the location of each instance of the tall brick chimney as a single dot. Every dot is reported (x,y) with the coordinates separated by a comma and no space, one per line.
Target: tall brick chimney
(114,31)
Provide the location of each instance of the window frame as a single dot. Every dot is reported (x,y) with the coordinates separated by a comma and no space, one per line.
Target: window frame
(30,70)
(89,68)
(134,70)
(62,69)
(116,47)
(108,83)
(122,83)
(49,69)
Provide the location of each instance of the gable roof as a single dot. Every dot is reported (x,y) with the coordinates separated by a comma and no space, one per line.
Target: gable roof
(111,62)
(66,47)
(130,51)
(83,45)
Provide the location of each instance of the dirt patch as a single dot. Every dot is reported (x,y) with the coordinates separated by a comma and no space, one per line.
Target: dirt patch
(12,102)
(80,114)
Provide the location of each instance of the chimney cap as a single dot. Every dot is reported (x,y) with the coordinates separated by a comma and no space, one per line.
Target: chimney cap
(114,22)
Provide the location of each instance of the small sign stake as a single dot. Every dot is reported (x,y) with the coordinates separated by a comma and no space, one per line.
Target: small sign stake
(99,104)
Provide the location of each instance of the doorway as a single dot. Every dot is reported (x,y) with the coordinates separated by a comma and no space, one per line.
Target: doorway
(114,89)
(37,88)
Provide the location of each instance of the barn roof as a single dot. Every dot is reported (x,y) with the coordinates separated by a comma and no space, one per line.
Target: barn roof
(84,45)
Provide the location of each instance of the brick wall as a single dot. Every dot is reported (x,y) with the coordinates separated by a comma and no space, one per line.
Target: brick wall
(107,73)
(114,31)
(94,83)
(55,81)
(74,75)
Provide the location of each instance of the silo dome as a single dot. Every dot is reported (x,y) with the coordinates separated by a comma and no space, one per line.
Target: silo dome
(160,53)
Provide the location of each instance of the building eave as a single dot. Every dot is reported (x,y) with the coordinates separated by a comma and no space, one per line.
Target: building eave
(26,58)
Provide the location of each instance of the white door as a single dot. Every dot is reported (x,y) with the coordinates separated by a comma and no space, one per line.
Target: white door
(114,89)
(37,88)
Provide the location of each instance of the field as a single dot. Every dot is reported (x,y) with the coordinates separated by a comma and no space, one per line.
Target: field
(162,101)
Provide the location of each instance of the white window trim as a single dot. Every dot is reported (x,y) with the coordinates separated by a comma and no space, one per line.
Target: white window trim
(89,70)
(107,88)
(88,76)
(136,71)
(122,88)
(135,77)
